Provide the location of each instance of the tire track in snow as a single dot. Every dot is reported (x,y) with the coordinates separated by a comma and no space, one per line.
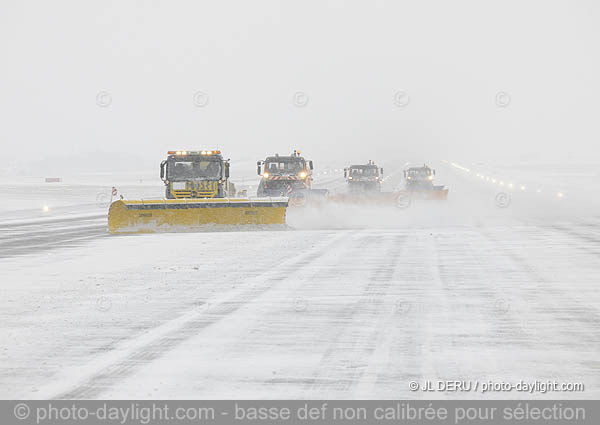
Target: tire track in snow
(481,320)
(16,223)
(40,243)
(573,311)
(283,321)
(35,237)
(379,373)
(417,331)
(590,242)
(343,361)
(124,361)
(587,239)
(426,324)
(563,325)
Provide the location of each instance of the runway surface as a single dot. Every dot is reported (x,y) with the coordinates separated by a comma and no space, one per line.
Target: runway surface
(350,302)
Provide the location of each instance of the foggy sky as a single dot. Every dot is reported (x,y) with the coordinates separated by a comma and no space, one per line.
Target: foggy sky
(61,61)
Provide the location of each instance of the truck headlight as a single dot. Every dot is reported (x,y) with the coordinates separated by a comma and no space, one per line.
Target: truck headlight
(178,186)
(302,174)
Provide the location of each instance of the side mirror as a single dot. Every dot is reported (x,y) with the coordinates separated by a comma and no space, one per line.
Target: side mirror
(382,171)
(258,169)
(227,170)
(434,172)
(345,172)
(162,170)
(258,163)
(404,173)
(310,164)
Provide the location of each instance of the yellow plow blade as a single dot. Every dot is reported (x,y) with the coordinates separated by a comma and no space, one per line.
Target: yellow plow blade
(184,215)
(435,194)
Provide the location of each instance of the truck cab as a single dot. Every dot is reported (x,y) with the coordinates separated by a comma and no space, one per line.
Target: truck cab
(364,178)
(419,178)
(284,175)
(196,174)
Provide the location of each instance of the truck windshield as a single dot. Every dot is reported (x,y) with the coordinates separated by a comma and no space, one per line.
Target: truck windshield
(421,173)
(284,167)
(194,170)
(359,172)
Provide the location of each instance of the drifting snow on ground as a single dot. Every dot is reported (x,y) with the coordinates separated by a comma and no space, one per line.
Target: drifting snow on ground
(349,302)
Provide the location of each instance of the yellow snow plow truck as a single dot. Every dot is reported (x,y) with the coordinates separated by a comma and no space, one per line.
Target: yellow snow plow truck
(196,174)
(199,196)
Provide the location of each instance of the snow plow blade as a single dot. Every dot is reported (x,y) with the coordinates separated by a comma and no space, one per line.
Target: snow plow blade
(188,215)
(308,197)
(365,198)
(437,194)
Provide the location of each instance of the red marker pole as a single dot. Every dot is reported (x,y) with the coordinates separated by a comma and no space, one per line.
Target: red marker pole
(113,193)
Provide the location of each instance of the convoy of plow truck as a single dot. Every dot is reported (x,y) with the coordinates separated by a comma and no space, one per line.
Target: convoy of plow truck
(199,195)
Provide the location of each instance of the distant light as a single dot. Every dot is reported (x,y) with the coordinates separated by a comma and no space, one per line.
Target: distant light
(493,180)
(560,194)
(510,185)
(46,208)
(477,174)
(460,167)
(539,191)
(501,183)
(523,187)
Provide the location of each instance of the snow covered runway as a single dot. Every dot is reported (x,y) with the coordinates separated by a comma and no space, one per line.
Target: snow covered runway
(355,308)
(349,313)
